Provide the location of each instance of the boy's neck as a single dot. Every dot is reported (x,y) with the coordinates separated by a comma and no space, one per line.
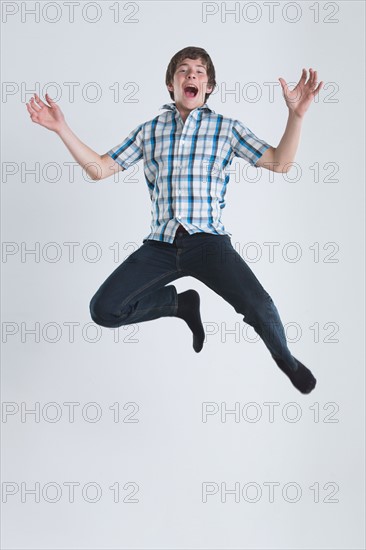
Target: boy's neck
(184,112)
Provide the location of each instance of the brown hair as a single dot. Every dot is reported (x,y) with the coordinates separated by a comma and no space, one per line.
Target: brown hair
(192,53)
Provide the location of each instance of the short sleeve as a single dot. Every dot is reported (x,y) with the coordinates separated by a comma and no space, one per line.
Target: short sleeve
(130,150)
(245,144)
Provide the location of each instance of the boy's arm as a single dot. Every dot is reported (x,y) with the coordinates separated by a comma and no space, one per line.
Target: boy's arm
(298,101)
(96,166)
(279,159)
(109,166)
(51,117)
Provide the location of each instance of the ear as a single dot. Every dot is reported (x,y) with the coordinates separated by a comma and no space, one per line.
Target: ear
(170,87)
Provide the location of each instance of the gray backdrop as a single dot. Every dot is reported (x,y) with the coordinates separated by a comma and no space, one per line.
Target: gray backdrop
(133,420)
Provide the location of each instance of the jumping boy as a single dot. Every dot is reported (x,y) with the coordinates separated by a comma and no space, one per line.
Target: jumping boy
(187,150)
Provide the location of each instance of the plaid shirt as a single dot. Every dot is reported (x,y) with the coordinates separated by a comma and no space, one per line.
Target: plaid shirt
(185,166)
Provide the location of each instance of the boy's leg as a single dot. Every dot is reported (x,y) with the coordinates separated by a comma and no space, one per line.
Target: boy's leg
(217,264)
(135,291)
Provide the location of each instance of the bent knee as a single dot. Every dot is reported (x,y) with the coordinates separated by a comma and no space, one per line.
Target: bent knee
(98,311)
(102,314)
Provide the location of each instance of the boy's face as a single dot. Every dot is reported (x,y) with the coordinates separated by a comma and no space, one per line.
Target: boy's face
(190,72)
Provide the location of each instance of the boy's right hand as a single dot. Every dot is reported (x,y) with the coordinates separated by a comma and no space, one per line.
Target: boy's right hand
(51,117)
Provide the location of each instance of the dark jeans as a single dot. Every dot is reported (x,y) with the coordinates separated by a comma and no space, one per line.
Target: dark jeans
(136,292)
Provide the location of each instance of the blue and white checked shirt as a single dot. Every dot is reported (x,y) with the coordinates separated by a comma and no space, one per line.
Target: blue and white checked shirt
(185,166)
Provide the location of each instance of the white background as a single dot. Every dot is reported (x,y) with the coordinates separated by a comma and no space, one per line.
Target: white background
(170,452)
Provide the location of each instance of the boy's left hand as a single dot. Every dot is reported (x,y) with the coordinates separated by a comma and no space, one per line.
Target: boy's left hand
(299,99)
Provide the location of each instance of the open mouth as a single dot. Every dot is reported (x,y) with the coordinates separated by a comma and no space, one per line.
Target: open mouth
(190,90)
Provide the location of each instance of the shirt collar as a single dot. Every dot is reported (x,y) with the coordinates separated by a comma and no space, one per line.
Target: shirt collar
(173,107)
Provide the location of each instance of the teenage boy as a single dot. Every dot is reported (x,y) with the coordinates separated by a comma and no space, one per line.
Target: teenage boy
(187,150)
